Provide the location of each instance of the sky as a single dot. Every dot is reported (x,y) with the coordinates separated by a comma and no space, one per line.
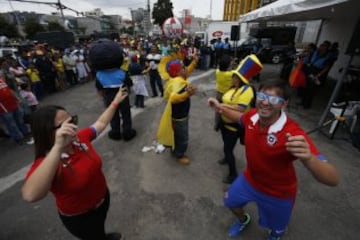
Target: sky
(198,8)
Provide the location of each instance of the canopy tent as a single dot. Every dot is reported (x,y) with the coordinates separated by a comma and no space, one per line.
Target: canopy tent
(306,10)
(300,10)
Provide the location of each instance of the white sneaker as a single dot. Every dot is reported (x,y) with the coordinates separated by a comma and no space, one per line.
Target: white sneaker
(30,141)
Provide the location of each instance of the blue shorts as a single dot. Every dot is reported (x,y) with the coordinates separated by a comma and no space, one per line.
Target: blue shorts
(274,213)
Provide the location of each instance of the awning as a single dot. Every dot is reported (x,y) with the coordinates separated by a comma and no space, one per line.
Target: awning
(302,10)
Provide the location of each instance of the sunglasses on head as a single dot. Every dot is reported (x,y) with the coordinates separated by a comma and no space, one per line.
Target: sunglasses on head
(74,120)
(273,100)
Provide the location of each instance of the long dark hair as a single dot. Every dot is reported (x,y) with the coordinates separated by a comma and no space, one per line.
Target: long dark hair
(42,128)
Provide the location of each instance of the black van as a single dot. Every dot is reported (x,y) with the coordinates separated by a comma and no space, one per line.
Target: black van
(273,39)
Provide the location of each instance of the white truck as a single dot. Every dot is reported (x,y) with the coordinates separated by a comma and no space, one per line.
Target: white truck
(218,29)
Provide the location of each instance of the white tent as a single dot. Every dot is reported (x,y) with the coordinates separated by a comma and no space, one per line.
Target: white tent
(305,10)
(300,10)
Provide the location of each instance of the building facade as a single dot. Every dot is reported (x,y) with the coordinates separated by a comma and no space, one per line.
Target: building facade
(233,9)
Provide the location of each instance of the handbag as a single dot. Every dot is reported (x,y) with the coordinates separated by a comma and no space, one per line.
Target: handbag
(297,76)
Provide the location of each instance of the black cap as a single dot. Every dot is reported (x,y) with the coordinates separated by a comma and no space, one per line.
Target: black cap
(105,54)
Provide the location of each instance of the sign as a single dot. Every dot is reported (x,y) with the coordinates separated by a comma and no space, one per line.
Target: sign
(217,34)
(172,27)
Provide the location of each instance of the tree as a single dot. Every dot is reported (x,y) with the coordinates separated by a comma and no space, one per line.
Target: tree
(7,29)
(55,26)
(162,10)
(32,26)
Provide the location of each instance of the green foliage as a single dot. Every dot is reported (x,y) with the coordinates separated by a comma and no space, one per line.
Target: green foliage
(55,26)
(162,10)
(31,27)
(7,29)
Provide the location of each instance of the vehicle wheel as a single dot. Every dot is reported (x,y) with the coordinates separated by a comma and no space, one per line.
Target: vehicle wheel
(276,58)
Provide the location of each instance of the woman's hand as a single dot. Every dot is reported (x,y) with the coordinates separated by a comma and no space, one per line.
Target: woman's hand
(121,95)
(65,134)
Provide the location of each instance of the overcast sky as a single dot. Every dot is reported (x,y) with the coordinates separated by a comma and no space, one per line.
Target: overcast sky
(199,8)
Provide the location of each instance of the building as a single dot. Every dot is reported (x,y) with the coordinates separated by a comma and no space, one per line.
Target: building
(141,20)
(233,9)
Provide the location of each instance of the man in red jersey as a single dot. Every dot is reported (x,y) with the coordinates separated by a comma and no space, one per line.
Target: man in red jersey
(273,142)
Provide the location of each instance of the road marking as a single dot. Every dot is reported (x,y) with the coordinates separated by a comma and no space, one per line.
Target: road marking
(10,180)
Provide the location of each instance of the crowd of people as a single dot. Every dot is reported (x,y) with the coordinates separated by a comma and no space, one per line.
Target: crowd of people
(272,140)
(317,62)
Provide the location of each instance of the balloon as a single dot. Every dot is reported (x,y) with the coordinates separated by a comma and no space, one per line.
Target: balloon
(172,27)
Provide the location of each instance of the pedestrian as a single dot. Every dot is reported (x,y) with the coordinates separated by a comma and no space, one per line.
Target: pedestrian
(106,57)
(67,165)
(153,59)
(11,115)
(273,142)
(36,84)
(174,124)
(223,78)
(137,74)
(30,99)
(238,98)
(69,64)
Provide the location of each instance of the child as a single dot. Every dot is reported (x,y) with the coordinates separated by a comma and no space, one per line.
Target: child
(29,96)
(36,84)
(137,72)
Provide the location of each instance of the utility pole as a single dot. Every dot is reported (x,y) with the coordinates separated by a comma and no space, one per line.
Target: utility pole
(61,10)
(210,9)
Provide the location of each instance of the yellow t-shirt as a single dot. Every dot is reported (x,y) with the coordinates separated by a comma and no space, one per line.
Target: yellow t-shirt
(33,75)
(59,65)
(223,80)
(241,96)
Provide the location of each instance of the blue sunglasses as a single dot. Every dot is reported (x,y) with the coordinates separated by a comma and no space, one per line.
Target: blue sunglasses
(273,100)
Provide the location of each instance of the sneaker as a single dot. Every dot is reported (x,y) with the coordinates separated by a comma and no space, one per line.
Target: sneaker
(277,235)
(238,226)
(129,135)
(30,141)
(184,160)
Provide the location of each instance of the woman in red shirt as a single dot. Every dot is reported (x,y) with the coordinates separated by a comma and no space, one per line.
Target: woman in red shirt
(67,165)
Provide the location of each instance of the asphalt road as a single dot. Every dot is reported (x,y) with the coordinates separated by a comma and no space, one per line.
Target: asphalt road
(155,198)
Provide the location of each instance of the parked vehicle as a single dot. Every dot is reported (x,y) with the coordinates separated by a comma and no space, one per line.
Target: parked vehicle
(273,39)
(215,30)
(6,51)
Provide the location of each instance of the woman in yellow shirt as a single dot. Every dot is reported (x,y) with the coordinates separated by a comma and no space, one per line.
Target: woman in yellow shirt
(36,84)
(239,98)
(223,77)
(60,72)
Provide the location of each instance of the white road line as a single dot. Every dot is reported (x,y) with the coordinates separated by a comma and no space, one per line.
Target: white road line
(10,180)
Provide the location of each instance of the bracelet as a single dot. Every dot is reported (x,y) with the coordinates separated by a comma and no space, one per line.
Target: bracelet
(114,104)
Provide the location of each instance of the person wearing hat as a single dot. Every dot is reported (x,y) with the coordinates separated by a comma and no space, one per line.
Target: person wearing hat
(238,98)
(173,129)
(106,57)
(273,142)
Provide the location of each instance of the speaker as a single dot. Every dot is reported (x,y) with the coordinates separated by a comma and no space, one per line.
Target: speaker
(235,33)
(354,44)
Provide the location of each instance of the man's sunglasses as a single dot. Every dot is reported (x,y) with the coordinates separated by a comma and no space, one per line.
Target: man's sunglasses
(273,100)
(74,120)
